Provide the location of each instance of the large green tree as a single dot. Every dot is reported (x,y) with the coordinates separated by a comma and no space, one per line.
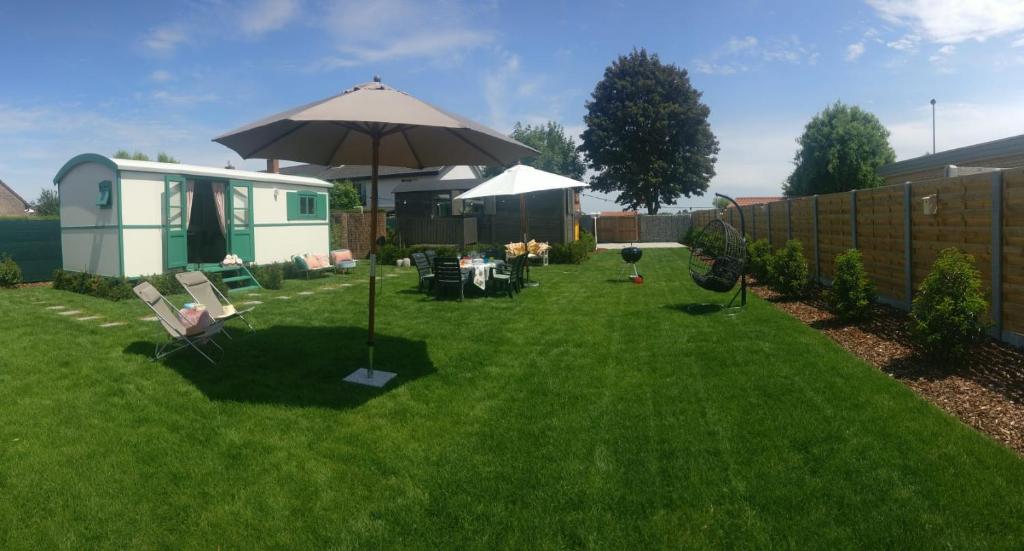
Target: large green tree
(344,196)
(647,134)
(840,149)
(558,152)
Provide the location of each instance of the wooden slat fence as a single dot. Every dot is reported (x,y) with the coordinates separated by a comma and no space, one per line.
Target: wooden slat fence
(980,214)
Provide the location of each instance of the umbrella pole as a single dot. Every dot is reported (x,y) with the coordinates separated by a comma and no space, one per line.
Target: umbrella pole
(368,376)
(524,226)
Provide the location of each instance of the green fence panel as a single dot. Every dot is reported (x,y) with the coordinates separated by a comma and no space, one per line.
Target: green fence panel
(34,245)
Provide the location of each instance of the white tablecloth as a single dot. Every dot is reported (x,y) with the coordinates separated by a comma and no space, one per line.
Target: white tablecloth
(481,273)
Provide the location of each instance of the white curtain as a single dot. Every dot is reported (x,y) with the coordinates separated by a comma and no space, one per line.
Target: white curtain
(189,193)
(218,199)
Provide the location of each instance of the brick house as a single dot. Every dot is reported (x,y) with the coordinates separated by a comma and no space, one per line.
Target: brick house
(11,204)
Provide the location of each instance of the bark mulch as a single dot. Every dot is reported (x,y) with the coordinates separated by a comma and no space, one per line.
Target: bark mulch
(986,391)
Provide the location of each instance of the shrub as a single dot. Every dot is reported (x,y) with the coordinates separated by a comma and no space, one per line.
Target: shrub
(115,288)
(852,291)
(10,273)
(787,272)
(270,276)
(687,238)
(949,307)
(588,240)
(573,252)
(389,253)
(759,258)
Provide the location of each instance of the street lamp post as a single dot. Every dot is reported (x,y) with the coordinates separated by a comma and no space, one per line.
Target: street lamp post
(933,126)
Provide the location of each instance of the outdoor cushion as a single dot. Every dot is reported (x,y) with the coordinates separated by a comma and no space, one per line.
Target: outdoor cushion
(300,262)
(322,261)
(340,255)
(312,261)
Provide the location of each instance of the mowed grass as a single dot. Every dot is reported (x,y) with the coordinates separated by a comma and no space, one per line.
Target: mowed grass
(587,412)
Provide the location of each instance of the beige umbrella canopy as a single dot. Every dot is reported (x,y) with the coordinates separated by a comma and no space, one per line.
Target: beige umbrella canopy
(373,124)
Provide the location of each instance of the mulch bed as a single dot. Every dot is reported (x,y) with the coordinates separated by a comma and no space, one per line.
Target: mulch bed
(986,391)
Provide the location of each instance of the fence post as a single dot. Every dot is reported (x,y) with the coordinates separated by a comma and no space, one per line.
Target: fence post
(789,219)
(753,222)
(908,247)
(814,228)
(997,253)
(769,207)
(853,218)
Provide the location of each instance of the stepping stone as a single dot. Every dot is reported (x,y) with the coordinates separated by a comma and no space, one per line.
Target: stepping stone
(251,303)
(346,284)
(283,298)
(252,294)
(112,324)
(150,318)
(70,312)
(88,318)
(306,293)
(56,307)
(391,275)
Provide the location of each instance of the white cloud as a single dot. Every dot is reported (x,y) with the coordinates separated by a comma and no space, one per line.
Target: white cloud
(907,43)
(943,54)
(854,51)
(164,40)
(161,75)
(183,100)
(373,32)
(1018,43)
(754,158)
(953,21)
(738,54)
(267,15)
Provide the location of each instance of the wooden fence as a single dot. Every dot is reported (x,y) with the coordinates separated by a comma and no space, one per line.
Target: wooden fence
(457,231)
(34,245)
(980,214)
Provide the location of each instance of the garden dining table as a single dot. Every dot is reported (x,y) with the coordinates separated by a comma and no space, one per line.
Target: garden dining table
(481,272)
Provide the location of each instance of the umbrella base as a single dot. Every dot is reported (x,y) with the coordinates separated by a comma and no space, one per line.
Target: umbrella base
(363,377)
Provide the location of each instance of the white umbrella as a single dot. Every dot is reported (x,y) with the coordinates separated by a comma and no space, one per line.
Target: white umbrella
(520,180)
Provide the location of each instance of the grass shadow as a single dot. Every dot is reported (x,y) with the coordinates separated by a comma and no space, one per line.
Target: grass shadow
(696,308)
(297,366)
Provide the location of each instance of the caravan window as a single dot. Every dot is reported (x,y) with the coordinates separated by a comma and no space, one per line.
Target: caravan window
(307,205)
(103,199)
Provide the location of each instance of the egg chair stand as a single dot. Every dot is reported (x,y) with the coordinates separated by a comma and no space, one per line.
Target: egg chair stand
(718,257)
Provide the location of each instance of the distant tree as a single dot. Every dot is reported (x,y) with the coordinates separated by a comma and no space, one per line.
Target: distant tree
(161,157)
(840,149)
(721,203)
(344,196)
(48,203)
(558,152)
(647,133)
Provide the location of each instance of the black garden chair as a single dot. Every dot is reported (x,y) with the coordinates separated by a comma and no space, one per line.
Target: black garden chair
(448,274)
(424,270)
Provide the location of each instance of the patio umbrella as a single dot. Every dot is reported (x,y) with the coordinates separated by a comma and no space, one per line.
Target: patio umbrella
(373,124)
(520,180)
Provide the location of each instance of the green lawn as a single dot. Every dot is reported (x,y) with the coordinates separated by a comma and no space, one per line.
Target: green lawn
(587,412)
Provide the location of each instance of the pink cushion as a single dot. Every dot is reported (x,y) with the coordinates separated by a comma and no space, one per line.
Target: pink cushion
(312,261)
(340,255)
(322,260)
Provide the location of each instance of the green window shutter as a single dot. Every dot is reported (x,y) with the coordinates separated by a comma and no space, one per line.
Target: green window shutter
(293,206)
(321,206)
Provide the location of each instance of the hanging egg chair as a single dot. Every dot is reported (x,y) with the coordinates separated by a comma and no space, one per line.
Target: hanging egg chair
(718,256)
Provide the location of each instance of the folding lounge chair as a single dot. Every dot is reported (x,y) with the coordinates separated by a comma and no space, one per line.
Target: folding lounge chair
(181,336)
(205,293)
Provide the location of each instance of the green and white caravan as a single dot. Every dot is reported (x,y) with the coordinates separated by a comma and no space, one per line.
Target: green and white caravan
(126,218)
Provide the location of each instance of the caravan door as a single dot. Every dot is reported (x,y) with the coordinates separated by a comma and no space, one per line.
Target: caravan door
(240,231)
(175,229)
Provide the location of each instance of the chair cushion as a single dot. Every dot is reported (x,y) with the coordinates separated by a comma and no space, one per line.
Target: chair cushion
(340,255)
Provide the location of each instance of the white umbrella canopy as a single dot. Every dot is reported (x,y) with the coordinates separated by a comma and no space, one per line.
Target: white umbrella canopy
(373,124)
(521,179)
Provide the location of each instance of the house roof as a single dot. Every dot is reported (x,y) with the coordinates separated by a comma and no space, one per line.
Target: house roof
(357,172)
(14,193)
(1014,145)
(461,184)
(624,213)
(187,170)
(747,201)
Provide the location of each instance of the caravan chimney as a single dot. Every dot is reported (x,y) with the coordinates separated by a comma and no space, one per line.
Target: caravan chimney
(273,166)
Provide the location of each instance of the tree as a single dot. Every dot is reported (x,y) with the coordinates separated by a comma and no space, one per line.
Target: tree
(161,157)
(558,152)
(344,196)
(840,149)
(647,133)
(721,203)
(48,204)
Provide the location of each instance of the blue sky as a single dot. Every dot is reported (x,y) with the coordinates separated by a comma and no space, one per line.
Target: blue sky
(169,76)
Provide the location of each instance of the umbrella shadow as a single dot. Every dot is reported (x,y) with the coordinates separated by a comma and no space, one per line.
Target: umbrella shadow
(296,366)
